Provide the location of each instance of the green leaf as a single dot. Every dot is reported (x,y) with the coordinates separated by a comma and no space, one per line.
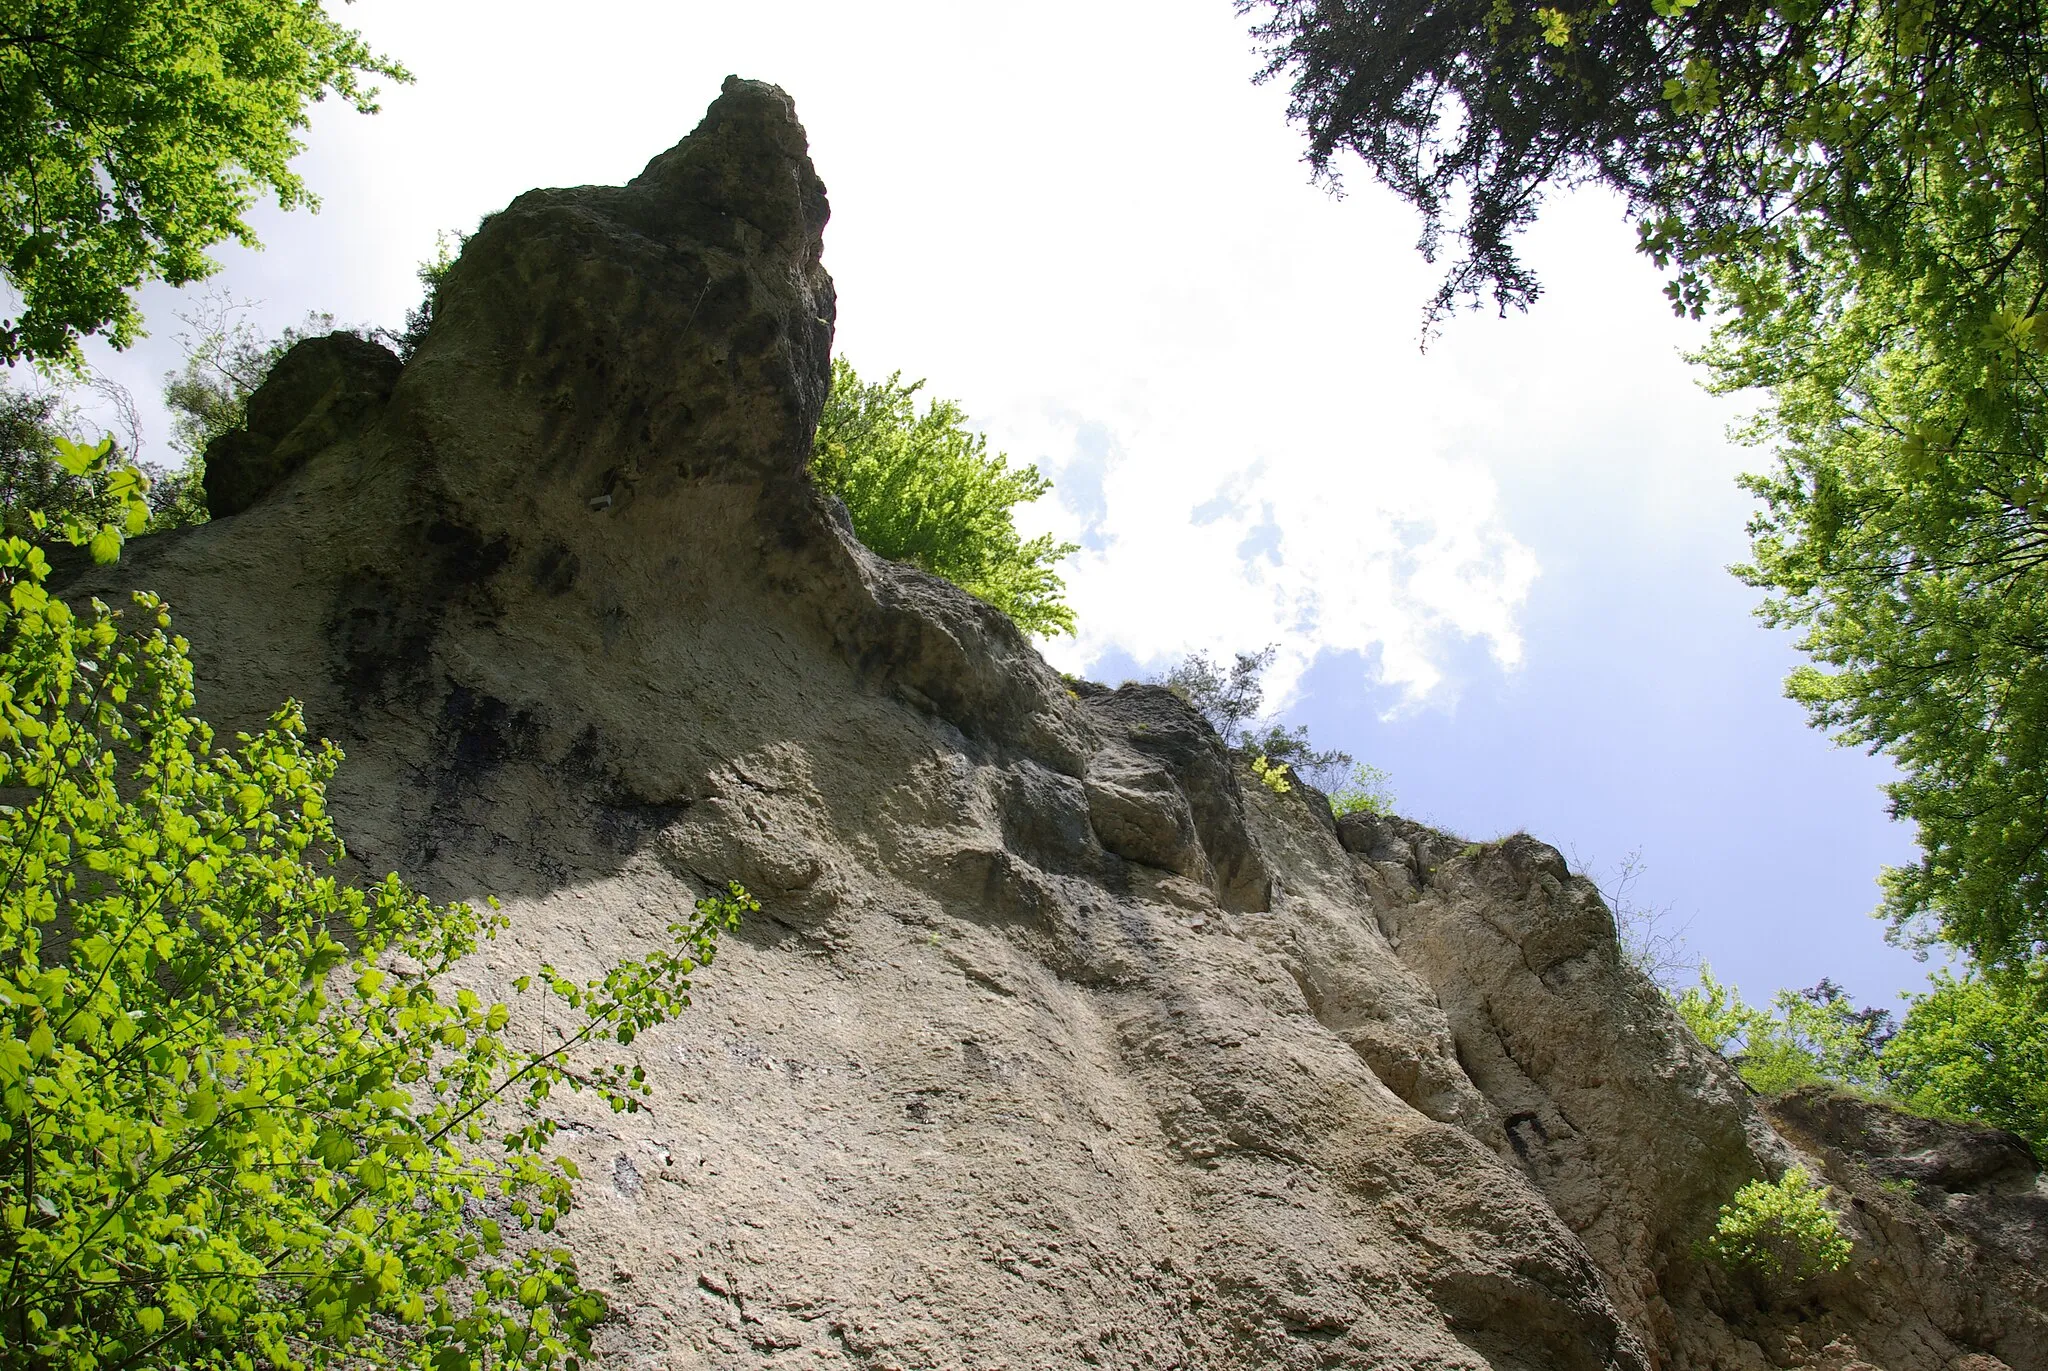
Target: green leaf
(242,1118)
(79,458)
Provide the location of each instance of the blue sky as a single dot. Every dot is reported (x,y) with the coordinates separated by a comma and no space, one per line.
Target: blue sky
(1495,568)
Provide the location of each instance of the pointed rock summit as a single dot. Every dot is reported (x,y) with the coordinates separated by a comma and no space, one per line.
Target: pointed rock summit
(1059,1042)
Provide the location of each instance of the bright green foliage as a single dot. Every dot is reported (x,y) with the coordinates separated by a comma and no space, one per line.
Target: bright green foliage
(1716,1014)
(232,1132)
(1272,775)
(1780,1231)
(136,134)
(38,484)
(923,489)
(1808,1037)
(1905,534)
(1898,330)
(1976,1047)
(1367,790)
(54,488)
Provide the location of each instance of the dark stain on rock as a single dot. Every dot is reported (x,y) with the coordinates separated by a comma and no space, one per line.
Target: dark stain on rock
(383,630)
(1514,1126)
(554,570)
(480,732)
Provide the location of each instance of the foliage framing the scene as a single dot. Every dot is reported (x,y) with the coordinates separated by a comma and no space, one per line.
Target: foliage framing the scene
(1857,190)
(136,134)
(1807,1037)
(230,1137)
(924,489)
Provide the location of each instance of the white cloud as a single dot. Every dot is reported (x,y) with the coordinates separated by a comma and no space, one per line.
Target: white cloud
(1315,545)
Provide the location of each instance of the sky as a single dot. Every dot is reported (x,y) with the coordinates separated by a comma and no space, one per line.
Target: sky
(1496,567)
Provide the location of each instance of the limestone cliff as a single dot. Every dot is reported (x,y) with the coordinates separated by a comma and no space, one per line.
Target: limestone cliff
(1057,1042)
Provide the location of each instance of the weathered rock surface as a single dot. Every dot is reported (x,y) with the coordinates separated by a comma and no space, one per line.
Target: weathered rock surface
(320,392)
(1058,1042)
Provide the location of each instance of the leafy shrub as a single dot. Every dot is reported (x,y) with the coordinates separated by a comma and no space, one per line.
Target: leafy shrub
(1272,775)
(230,1135)
(923,489)
(1367,790)
(1780,1230)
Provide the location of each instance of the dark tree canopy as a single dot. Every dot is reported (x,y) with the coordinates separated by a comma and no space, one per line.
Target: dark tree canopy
(1731,126)
(134,136)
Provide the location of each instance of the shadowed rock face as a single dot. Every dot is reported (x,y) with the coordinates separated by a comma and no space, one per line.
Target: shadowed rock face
(1059,1042)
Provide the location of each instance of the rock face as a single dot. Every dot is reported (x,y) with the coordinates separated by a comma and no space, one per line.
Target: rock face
(1059,1041)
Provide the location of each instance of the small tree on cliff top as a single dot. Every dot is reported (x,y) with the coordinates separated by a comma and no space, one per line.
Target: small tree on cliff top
(924,489)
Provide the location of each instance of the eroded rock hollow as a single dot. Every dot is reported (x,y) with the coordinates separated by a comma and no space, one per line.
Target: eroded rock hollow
(1057,1043)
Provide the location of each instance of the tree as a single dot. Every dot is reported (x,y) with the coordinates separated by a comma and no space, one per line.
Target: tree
(226,359)
(923,489)
(1652,937)
(1855,189)
(136,134)
(1976,1047)
(1365,789)
(432,272)
(1230,699)
(1736,131)
(1807,1037)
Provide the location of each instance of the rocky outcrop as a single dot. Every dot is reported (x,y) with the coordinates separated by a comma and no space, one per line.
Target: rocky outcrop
(320,392)
(1059,1041)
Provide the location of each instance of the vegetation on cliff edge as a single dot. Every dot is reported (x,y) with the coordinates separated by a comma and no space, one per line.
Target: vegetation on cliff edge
(923,488)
